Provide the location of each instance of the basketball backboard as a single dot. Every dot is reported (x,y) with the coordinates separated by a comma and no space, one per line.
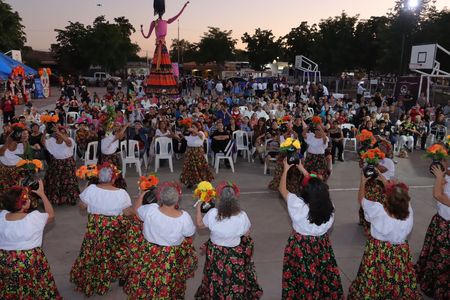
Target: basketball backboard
(423,57)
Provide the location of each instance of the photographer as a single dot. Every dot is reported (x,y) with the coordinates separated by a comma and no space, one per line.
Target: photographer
(21,255)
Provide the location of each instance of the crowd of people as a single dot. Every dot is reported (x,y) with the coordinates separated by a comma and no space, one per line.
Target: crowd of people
(147,245)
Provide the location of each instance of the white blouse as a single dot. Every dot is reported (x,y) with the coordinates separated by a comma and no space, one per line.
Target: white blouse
(11,158)
(163,230)
(159,133)
(385,228)
(227,232)
(390,166)
(299,211)
(59,151)
(444,210)
(105,202)
(109,145)
(195,141)
(315,145)
(24,234)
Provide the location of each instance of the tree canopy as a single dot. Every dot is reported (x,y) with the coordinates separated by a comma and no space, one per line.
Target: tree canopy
(103,44)
(262,48)
(12,36)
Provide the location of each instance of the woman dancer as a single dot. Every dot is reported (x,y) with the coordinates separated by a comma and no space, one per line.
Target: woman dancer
(309,267)
(60,179)
(102,257)
(386,270)
(160,271)
(24,269)
(195,166)
(229,271)
(316,160)
(434,262)
(161,79)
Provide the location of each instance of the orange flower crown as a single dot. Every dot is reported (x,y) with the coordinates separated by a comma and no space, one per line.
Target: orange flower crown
(437,151)
(17,126)
(373,155)
(87,172)
(316,120)
(34,164)
(186,122)
(146,183)
(49,119)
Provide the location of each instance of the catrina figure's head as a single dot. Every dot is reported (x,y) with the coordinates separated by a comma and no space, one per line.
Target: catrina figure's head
(159,6)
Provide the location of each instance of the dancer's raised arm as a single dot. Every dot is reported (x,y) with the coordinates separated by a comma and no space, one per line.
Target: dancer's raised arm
(152,26)
(171,20)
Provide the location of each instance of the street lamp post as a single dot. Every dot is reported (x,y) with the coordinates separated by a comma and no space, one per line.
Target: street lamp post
(408,6)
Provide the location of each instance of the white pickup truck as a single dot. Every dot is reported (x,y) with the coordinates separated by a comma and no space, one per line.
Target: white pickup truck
(100,79)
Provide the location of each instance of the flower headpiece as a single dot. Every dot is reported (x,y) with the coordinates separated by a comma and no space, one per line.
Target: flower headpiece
(311,175)
(284,120)
(316,120)
(146,183)
(204,192)
(109,165)
(49,119)
(366,138)
(228,184)
(87,172)
(23,198)
(187,123)
(437,151)
(18,126)
(373,156)
(30,165)
(391,186)
(447,142)
(174,185)
(290,144)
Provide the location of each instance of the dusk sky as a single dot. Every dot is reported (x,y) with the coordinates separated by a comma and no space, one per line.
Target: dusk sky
(42,17)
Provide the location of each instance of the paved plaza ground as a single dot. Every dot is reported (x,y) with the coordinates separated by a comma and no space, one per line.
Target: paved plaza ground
(270,222)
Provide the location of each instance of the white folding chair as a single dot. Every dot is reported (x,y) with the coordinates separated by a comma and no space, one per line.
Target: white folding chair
(242,144)
(272,159)
(163,150)
(74,148)
(74,116)
(130,155)
(291,105)
(207,144)
(243,110)
(90,156)
(228,155)
(311,110)
(351,128)
(438,130)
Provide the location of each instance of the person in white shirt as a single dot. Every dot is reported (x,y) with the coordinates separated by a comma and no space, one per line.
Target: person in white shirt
(309,267)
(230,245)
(434,263)
(60,179)
(316,160)
(195,166)
(168,258)
(219,88)
(386,270)
(103,253)
(24,269)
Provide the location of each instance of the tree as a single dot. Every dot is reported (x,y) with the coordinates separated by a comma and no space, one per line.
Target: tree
(334,46)
(299,41)
(216,45)
(262,48)
(71,48)
(188,51)
(12,36)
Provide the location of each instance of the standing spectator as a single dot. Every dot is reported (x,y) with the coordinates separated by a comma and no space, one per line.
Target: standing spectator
(7,106)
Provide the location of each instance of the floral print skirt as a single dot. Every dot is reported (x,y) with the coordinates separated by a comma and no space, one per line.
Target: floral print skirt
(433,266)
(25,274)
(374,192)
(103,255)
(294,177)
(229,273)
(385,272)
(309,269)
(159,272)
(195,167)
(9,177)
(317,163)
(117,161)
(61,184)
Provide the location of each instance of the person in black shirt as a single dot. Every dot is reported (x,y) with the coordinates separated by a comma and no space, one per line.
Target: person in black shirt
(220,139)
(337,137)
(36,142)
(298,128)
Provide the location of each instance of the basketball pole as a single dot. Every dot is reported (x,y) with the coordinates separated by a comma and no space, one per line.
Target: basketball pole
(402,53)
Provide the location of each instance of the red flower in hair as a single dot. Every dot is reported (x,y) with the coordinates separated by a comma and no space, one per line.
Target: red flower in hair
(228,184)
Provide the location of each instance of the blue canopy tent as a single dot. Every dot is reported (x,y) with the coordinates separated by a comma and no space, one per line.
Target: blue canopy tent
(7,64)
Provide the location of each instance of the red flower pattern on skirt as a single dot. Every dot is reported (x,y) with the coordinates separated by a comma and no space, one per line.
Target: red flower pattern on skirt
(61,184)
(195,167)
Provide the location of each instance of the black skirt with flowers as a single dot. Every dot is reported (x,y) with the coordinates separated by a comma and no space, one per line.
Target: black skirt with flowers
(309,269)
(433,266)
(61,184)
(229,273)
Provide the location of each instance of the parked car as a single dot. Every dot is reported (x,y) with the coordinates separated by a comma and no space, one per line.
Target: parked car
(100,79)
